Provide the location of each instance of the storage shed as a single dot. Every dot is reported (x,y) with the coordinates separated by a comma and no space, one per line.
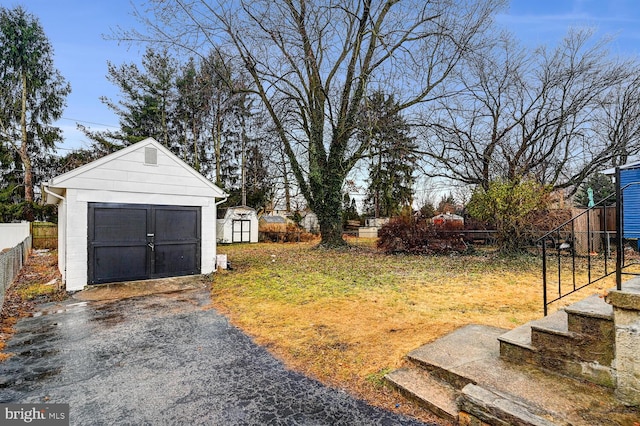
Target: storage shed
(135,214)
(239,225)
(310,221)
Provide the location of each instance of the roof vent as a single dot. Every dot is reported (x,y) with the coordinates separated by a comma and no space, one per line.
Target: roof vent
(150,156)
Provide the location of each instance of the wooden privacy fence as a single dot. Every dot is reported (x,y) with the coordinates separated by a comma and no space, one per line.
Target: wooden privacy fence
(600,222)
(44,235)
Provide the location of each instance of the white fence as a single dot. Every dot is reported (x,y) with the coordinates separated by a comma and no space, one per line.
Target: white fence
(12,234)
(11,261)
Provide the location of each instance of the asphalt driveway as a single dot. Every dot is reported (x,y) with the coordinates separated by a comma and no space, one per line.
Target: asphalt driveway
(164,359)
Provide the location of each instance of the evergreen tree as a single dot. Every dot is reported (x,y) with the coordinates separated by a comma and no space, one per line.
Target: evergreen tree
(393,158)
(602,187)
(32,96)
(147,103)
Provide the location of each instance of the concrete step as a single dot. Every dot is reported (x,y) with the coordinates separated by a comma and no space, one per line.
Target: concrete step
(471,354)
(431,393)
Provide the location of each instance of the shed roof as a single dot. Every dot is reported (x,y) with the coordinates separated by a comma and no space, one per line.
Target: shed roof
(273,219)
(612,171)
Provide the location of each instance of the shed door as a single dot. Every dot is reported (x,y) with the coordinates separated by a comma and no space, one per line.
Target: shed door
(134,242)
(241,231)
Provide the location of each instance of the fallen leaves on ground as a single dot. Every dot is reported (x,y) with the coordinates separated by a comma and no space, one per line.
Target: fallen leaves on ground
(38,281)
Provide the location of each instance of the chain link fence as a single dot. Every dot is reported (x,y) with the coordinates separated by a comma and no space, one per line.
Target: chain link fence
(11,261)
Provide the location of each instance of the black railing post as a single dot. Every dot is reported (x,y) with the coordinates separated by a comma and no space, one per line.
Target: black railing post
(619,230)
(573,252)
(559,263)
(589,244)
(544,274)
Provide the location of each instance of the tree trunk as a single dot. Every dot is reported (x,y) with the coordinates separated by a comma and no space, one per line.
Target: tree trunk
(328,208)
(331,229)
(24,147)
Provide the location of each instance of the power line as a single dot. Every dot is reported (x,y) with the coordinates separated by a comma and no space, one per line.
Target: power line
(89,122)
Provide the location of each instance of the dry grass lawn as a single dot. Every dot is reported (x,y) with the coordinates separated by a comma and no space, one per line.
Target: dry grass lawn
(348,317)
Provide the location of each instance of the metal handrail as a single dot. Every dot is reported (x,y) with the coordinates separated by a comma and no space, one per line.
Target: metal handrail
(556,236)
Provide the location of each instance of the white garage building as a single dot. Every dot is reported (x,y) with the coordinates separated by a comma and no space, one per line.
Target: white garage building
(139,213)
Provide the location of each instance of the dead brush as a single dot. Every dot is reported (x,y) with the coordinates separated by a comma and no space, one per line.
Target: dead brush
(284,233)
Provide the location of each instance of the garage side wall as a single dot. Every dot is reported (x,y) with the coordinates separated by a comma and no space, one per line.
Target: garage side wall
(62,241)
(76,228)
(208,249)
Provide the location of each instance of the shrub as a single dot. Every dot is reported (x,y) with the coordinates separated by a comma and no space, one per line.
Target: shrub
(405,234)
(514,207)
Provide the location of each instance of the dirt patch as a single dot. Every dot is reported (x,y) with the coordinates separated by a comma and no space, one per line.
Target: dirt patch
(125,290)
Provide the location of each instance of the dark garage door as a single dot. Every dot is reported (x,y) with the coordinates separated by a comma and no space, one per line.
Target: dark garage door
(135,241)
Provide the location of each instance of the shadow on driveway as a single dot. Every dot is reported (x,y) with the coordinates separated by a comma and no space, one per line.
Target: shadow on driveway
(164,359)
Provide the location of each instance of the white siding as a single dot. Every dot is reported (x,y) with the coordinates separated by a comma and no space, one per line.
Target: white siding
(208,238)
(130,174)
(77,236)
(62,240)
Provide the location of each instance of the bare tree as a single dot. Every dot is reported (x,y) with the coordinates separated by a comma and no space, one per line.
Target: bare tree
(312,63)
(528,113)
(617,121)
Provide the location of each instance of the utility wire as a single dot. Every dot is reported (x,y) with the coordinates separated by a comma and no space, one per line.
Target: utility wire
(89,122)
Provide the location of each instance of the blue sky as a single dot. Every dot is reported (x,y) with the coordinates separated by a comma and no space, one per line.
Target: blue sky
(75,29)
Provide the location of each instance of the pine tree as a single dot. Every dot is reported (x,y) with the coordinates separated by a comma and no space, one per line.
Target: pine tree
(393,160)
(146,105)
(32,97)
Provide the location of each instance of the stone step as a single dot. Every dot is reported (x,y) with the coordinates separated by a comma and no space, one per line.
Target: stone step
(500,410)
(551,332)
(552,338)
(563,344)
(548,344)
(577,341)
(418,385)
(593,306)
(592,317)
(471,354)
(516,346)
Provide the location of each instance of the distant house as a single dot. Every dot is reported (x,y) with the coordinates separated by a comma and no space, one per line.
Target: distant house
(452,220)
(239,225)
(135,214)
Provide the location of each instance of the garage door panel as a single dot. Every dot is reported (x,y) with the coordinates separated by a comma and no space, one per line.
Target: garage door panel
(120,225)
(176,259)
(119,263)
(176,224)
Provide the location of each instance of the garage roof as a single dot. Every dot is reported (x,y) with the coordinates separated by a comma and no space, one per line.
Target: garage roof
(145,167)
